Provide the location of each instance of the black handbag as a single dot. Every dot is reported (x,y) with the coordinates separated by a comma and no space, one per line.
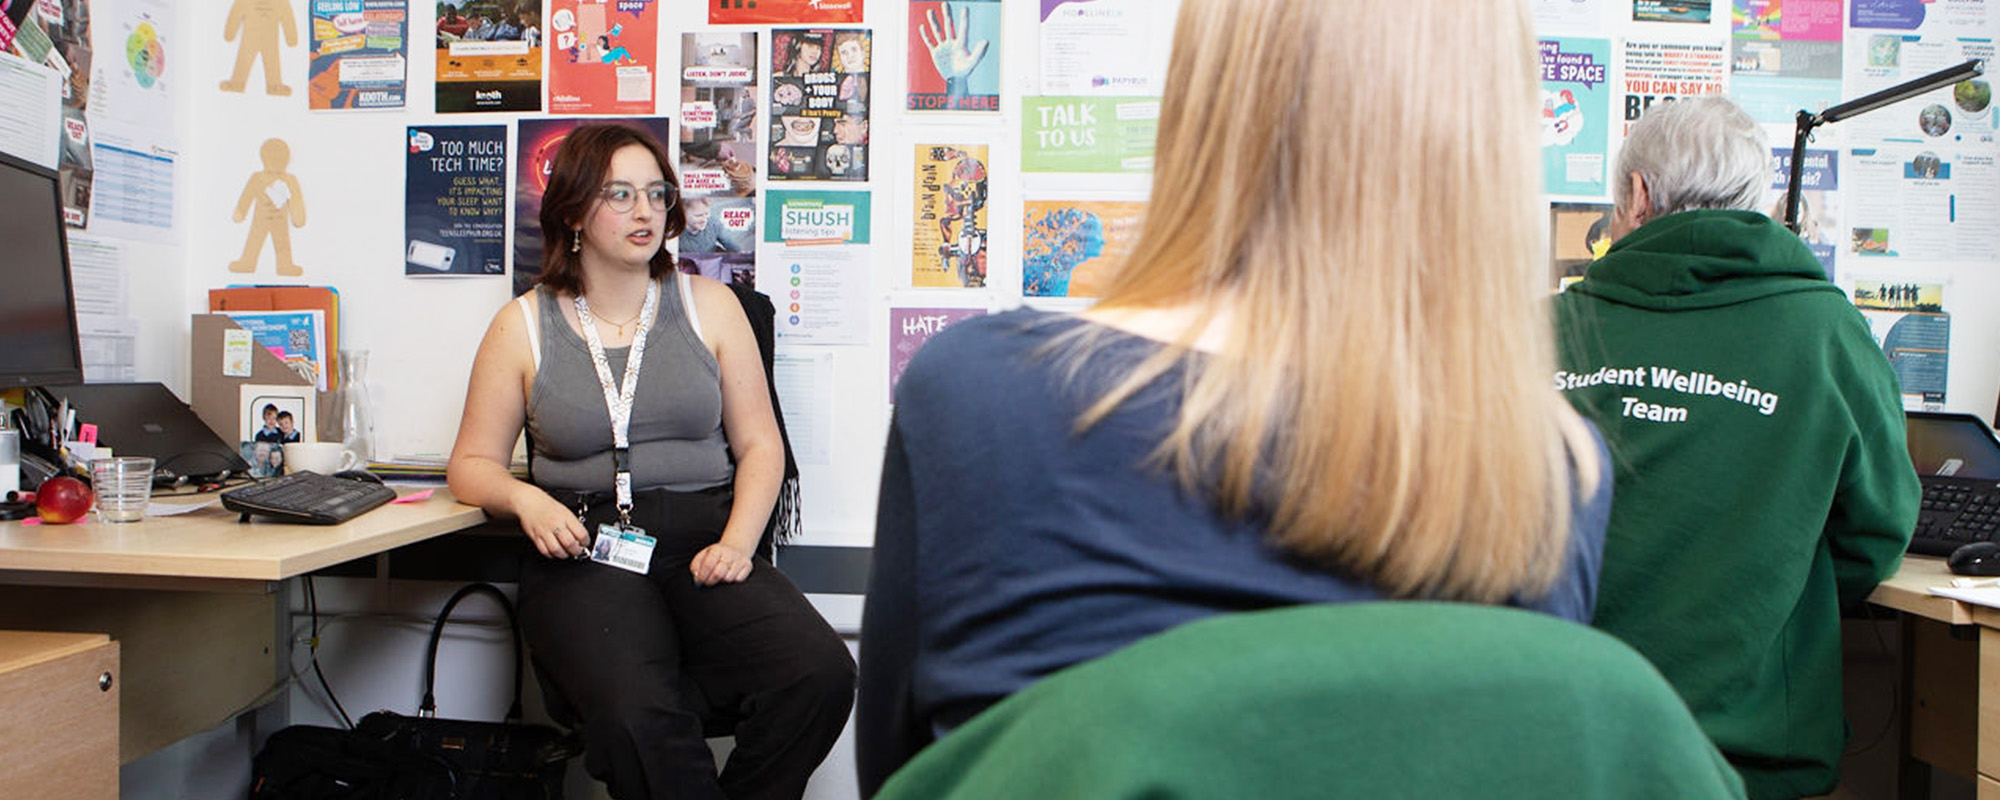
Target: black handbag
(389,755)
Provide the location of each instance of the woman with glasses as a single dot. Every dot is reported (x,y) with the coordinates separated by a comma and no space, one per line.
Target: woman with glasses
(651,611)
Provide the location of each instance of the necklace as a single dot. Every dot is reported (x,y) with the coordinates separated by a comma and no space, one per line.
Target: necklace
(621,325)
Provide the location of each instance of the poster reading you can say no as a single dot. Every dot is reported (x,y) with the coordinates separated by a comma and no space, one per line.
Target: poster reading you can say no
(455,217)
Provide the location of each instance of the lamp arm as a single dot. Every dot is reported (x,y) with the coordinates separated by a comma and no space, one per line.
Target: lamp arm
(1862,105)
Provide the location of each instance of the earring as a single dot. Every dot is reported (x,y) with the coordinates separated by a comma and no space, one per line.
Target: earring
(576,241)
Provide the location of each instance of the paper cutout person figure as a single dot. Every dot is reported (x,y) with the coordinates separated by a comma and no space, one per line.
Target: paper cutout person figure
(274,205)
(260,23)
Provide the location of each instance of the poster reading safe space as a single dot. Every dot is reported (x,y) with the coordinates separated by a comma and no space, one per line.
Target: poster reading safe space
(455,217)
(1576,115)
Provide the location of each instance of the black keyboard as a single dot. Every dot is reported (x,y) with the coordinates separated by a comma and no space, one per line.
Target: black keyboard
(1956,511)
(308,498)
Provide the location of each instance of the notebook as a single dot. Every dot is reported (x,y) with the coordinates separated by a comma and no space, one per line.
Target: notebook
(146,419)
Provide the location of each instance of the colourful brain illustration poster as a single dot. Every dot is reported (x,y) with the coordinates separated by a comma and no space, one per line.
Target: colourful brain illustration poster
(1069,247)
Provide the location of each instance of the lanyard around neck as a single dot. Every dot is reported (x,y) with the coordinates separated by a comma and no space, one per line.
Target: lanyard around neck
(617,397)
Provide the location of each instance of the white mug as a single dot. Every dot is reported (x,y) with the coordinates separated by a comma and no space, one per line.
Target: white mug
(324,458)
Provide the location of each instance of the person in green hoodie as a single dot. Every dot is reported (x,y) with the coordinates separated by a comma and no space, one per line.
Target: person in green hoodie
(1756,430)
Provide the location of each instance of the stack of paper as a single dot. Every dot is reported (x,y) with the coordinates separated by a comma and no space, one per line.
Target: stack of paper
(1975,591)
(428,467)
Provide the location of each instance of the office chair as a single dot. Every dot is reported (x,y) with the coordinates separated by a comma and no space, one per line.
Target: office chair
(1361,700)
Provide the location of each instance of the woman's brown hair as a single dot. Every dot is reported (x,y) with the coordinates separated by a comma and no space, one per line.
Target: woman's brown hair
(575,176)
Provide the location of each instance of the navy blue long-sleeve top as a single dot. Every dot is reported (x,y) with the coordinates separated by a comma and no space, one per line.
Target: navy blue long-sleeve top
(1008,545)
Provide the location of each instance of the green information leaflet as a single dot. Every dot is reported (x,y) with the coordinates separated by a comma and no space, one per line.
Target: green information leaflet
(1088,134)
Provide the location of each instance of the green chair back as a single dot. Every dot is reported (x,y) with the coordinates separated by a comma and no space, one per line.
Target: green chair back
(1359,700)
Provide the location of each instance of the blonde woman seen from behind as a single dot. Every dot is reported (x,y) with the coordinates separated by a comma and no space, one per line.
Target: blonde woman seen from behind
(1340,393)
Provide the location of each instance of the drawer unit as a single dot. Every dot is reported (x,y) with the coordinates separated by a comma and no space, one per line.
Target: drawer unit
(58,715)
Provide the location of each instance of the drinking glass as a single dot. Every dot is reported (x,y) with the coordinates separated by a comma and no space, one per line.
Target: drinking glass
(124,486)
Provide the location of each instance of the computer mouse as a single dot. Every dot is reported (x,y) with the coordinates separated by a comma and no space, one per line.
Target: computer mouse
(369,477)
(1977,558)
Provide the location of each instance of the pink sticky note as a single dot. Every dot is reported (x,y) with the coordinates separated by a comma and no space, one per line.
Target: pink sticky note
(87,433)
(32,521)
(414,497)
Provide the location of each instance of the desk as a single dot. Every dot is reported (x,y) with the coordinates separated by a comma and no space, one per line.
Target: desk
(1938,665)
(192,600)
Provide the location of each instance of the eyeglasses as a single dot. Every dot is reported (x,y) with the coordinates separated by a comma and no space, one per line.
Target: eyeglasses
(622,196)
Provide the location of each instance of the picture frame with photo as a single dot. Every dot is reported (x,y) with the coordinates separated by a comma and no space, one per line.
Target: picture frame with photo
(270,417)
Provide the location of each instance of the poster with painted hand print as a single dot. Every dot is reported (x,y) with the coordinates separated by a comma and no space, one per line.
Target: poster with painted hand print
(954,56)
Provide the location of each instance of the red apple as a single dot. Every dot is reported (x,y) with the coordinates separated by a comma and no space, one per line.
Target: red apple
(63,499)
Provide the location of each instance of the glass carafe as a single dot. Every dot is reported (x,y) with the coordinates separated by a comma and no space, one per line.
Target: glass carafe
(357,412)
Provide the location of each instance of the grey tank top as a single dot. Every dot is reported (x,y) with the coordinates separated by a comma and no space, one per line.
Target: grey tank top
(676,431)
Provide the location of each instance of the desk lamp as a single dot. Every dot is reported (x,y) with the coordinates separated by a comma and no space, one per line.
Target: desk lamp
(1807,120)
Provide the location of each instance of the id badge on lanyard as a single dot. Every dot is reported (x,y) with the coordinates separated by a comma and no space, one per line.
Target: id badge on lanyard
(624,546)
(621,544)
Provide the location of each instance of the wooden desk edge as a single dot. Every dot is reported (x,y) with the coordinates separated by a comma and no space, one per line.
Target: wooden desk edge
(1908,590)
(464,517)
(143,569)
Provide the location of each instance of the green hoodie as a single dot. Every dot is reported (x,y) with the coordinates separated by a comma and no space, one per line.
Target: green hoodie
(1762,479)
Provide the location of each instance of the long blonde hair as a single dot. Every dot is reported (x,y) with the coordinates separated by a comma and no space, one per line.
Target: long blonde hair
(1349,192)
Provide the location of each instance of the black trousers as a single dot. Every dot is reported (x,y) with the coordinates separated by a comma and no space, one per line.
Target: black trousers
(647,665)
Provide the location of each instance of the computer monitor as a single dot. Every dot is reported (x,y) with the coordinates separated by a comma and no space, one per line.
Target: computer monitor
(38,343)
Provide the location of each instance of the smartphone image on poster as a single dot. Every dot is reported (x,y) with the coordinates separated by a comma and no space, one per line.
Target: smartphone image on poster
(431,256)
